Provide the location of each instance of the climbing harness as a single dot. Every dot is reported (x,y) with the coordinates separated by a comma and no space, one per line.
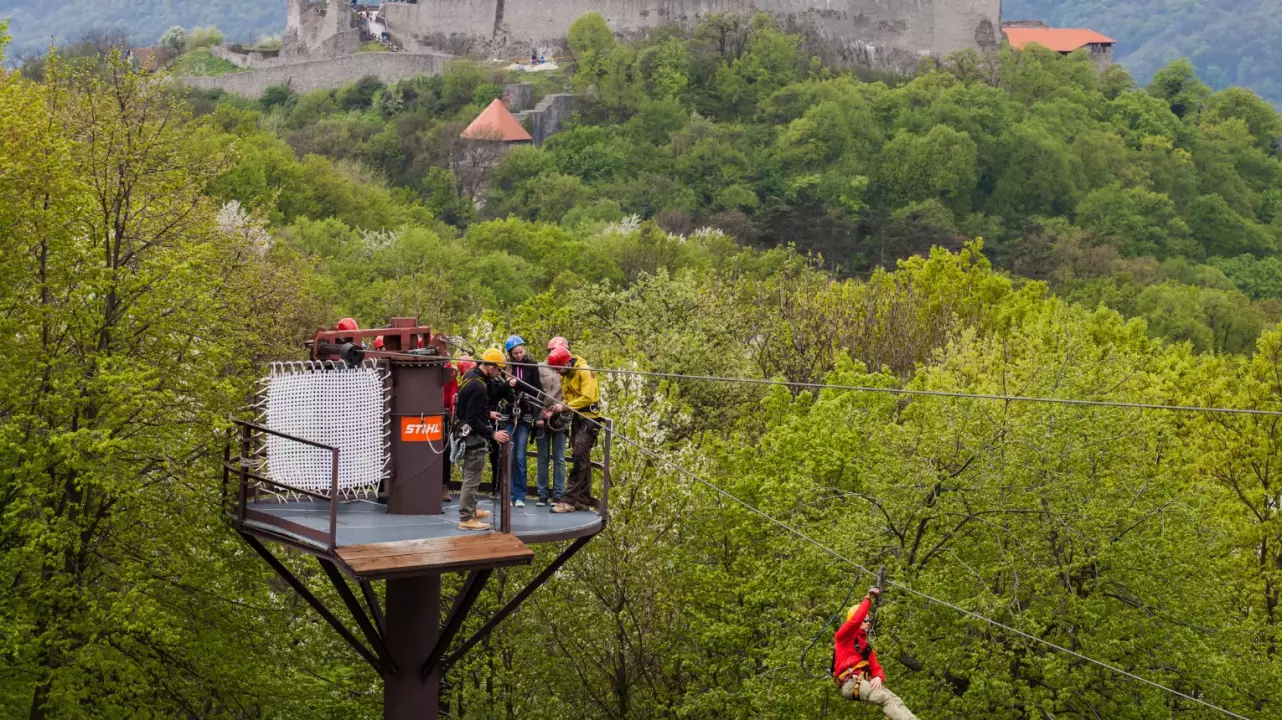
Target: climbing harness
(560,422)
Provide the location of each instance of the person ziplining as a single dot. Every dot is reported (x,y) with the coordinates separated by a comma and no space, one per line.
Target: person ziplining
(854,663)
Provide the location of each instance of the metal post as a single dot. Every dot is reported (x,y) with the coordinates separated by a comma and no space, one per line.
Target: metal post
(605,471)
(413,627)
(333,502)
(245,440)
(412,606)
(224,501)
(505,489)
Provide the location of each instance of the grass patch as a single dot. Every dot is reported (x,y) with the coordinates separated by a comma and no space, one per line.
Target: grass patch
(199,63)
(372,46)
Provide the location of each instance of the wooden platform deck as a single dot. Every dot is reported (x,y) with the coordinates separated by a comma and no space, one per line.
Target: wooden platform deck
(441,554)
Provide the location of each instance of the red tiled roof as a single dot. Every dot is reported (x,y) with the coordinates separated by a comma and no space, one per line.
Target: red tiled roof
(496,123)
(1058,39)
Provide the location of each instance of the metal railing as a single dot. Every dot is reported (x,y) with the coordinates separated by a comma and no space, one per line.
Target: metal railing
(252,485)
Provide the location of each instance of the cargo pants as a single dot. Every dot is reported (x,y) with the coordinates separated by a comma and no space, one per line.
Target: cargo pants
(474,454)
(889,702)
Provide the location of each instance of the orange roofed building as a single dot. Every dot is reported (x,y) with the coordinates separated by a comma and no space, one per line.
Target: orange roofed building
(496,124)
(1022,34)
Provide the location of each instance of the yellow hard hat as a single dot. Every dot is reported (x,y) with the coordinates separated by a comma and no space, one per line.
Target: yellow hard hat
(494,356)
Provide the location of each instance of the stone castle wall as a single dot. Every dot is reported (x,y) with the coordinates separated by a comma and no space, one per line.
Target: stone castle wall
(327,73)
(885,34)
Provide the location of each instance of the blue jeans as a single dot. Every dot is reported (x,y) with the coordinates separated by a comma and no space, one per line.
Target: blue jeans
(520,442)
(551,445)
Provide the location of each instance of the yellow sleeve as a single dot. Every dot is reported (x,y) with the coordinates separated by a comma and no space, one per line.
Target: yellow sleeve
(581,388)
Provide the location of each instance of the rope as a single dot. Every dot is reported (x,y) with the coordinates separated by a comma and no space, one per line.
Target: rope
(936,393)
(842,558)
(822,630)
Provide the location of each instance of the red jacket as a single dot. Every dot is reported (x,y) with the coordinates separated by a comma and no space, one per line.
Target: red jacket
(850,645)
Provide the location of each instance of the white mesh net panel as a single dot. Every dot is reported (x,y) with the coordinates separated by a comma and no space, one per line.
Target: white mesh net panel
(332,405)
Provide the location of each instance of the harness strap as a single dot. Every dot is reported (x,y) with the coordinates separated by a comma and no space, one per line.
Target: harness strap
(859,669)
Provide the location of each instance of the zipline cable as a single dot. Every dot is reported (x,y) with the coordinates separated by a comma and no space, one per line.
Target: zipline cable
(838,556)
(933,393)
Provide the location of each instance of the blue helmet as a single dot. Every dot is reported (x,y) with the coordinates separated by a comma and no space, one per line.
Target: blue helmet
(512,341)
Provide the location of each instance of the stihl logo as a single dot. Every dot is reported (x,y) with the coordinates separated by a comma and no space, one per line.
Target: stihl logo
(421,429)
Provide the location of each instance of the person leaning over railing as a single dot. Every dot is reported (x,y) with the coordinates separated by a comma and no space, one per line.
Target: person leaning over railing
(578,383)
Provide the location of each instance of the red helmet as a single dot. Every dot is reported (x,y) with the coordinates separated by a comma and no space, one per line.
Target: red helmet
(559,357)
(378,343)
(348,324)
(557,342)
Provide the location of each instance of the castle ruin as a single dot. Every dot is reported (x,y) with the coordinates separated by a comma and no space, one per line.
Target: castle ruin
(882,34)
(322,37)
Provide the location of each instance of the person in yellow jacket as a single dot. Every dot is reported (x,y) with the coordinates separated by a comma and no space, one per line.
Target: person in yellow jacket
(578,385)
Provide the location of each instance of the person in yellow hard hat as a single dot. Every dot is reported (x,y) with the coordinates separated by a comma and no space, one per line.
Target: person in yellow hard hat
(473,412)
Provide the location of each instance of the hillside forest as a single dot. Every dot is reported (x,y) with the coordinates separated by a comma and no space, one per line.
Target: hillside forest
(721,204)
(1229,42)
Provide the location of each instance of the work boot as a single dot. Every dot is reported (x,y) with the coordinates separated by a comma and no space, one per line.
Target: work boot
(482,513)
(562,507)
(473,524)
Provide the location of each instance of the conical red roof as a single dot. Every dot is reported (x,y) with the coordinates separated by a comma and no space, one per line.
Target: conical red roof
(496,123)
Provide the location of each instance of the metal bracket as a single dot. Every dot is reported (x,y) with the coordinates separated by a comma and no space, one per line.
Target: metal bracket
(312,600)
(514,603)
(463,603)
(358,614)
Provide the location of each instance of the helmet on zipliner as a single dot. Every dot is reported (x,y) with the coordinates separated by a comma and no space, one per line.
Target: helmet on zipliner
(493,356)
(559,357)
(558,342)
(348,324)
(513,341)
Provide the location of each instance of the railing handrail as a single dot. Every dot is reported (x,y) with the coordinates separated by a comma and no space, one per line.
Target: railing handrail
(232,466)
(279,434)
(245,474)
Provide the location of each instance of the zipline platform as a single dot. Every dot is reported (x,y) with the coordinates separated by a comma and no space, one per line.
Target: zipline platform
(373,544)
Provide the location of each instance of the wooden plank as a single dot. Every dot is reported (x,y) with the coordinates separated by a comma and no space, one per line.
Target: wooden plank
(408,564)
(477,553)
(460,551)
(473,555)
(451,543)
(424,550)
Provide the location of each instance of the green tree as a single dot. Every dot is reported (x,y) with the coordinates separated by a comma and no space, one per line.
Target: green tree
(174,38)
(141,306)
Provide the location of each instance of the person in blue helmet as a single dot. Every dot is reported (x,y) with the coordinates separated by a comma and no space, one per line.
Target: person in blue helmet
(527,407)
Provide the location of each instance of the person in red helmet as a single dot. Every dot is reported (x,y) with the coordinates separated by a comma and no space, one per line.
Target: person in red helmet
(579,388)
(349,325)
(452,375)
(378,343)
(855,667)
